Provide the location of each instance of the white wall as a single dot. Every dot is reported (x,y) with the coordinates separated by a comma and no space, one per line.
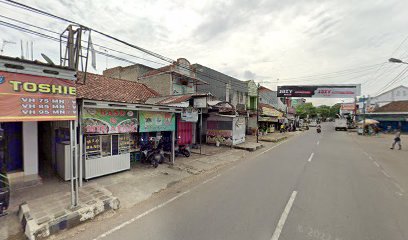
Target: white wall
(397,94)
(30,148)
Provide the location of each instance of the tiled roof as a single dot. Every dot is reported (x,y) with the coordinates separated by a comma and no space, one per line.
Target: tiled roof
(99,87)
(397,106)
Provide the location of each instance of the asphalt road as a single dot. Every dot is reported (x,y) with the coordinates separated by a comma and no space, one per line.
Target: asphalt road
(314,186)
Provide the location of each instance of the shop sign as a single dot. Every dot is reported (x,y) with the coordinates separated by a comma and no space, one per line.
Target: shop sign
(348,106)
(102,121)
(222,136)
(189,115)
(157,121)
(25,97)
(200,102)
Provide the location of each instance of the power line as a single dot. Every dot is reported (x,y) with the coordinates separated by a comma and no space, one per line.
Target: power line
(38,11)
(394,80)
(29,31)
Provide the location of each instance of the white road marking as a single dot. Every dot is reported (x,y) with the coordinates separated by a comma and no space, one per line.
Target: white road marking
(284,216)
(376,164)
(385,173)
(310,158)
(269,149)
(366,153)
(371,158)
(152,209)
(318,142)
(210,179)
(399,187)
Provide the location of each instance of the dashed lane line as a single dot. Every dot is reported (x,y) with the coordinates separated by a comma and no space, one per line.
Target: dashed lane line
(311,157)
(284,216)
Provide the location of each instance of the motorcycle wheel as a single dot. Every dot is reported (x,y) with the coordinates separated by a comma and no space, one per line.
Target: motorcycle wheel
(186,153)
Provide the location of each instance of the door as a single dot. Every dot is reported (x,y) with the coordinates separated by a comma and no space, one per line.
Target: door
(184,132)
(13,146)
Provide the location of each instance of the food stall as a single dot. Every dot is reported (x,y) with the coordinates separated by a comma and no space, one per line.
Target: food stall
(110,136)
(226,130)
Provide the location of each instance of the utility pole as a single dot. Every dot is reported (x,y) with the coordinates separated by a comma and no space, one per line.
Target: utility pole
(364,113)
(257,113)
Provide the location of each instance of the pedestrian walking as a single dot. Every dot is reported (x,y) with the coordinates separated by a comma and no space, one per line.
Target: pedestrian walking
(397,140)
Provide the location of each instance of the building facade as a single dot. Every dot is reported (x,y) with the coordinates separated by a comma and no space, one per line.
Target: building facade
(222,86)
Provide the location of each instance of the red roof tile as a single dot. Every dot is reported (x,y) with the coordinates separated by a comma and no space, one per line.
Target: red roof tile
(397,106)
(99,87)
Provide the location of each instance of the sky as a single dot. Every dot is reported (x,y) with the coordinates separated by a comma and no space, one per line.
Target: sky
(274,42)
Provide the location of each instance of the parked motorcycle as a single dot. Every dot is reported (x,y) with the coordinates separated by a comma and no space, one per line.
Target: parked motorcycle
(4,194)
(183,149)
(318,129)
(152,152)
(178,149)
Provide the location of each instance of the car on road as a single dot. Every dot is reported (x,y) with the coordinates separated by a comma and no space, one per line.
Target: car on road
(340,124)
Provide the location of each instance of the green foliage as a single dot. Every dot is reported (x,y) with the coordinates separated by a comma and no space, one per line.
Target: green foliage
(323,111)
(307,109)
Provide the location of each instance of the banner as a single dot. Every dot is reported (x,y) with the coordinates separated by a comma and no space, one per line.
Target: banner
(323,91)
(157,121)
(189,115)
(25,97)
(102,121)
(348,106)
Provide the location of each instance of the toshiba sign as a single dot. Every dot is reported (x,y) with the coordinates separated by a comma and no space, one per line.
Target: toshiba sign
(320,91)
(25,97)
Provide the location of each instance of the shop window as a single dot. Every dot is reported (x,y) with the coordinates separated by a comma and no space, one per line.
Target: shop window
(97,146)
(106,145)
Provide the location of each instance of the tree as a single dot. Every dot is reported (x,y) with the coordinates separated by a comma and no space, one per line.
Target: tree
(323,111)
(334,110)
(305,110)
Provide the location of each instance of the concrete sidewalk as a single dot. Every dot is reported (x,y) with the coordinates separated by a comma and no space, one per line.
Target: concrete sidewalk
(393,162)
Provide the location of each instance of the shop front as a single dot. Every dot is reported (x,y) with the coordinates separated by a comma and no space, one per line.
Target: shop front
(110,137)
(156,127)
(269,119)
(36,100)
(225,130)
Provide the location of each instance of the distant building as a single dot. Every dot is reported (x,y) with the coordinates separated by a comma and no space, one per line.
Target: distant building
(399,93)
(222,86)
(391,116)
(268,96)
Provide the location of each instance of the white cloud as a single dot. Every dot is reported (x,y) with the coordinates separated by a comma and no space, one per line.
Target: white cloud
(269,39)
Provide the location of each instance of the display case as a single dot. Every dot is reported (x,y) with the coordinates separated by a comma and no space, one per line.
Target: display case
(106,153)
(124,143)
